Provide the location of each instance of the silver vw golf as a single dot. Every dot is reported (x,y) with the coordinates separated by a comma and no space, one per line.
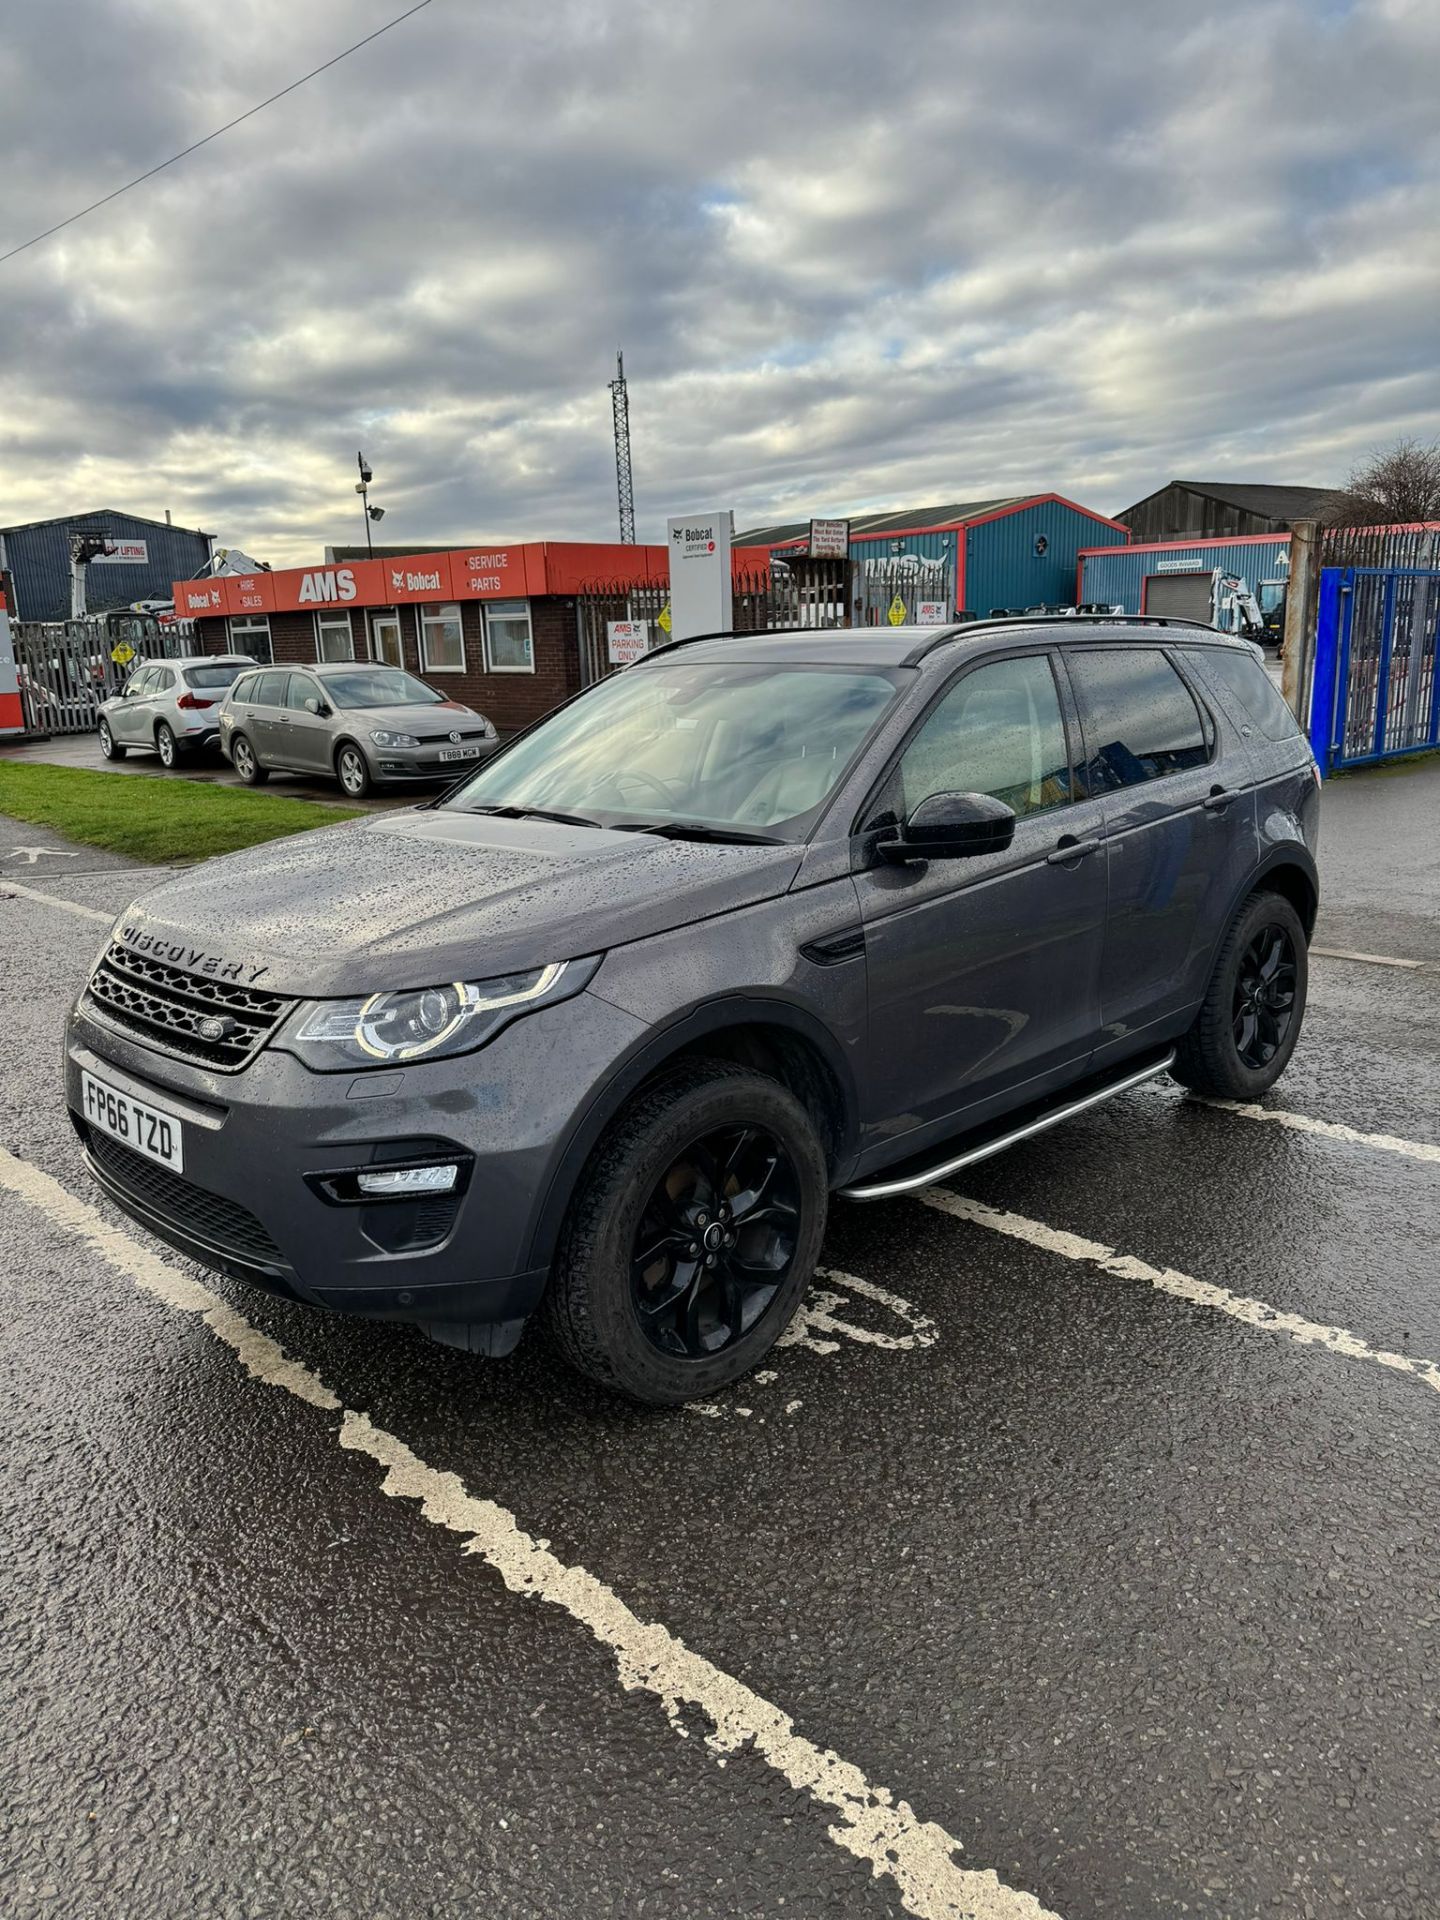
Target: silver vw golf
(366,725)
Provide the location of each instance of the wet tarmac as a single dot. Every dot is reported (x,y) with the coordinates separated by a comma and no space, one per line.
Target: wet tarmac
(1077,1555)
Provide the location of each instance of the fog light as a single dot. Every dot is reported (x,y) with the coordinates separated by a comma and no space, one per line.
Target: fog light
(403,1180)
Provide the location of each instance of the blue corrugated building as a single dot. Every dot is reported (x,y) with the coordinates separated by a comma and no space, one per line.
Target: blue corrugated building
(978,556)
(1174,576)
(149,556)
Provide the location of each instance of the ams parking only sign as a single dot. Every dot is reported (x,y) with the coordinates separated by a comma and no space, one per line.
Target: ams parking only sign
(626,640)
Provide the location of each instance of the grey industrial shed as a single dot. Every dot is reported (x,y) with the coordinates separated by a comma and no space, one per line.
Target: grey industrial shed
(37,558)
(1222,509)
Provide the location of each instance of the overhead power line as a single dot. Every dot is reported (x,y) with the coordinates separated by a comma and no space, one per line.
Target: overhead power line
(195,146)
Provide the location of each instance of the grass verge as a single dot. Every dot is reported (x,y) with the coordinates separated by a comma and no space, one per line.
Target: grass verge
(153,820)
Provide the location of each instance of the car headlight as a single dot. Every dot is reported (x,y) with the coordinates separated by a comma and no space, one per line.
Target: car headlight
(383,737)
(424,1023)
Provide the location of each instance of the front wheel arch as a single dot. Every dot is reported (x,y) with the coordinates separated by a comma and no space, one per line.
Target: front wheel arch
(354,746)
(771,1036)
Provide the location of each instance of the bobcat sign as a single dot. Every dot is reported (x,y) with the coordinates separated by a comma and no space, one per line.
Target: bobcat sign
(700,590)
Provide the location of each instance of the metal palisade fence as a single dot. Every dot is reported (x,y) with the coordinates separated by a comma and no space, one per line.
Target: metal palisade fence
(67,667)
(812,595)
(1376,687)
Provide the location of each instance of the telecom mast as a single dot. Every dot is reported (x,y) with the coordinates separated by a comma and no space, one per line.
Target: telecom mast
(624,481)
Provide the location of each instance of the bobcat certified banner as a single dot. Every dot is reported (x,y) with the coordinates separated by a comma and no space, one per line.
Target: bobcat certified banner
(700,589)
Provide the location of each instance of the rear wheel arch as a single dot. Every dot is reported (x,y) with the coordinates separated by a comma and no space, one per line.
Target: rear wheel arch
(773,1038)
(1291,881)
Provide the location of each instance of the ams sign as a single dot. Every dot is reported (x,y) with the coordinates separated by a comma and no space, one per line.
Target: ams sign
(318,588)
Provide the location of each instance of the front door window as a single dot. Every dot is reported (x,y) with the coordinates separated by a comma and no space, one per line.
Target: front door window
(385,642)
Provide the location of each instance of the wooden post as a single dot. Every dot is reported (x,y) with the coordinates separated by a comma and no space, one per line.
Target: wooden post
(1302,602)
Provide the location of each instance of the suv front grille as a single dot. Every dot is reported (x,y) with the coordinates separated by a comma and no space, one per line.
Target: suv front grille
(166,1007)
(221,1223)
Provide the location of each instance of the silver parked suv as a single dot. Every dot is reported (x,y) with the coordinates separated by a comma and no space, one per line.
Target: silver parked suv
(169,707)
(366,725)
(758,920)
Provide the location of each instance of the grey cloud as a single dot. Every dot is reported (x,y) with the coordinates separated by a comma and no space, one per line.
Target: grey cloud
(857,254)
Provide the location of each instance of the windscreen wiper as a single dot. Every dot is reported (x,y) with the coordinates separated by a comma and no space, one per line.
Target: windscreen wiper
(536,813)
(699,830)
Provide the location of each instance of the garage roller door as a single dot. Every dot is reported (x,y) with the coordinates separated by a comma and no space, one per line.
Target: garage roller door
(1183,596)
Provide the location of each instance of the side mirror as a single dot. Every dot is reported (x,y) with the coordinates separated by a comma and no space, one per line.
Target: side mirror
(952,826)
(318,707)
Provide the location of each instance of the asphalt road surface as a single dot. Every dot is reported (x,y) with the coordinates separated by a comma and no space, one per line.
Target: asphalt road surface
(1078,1555)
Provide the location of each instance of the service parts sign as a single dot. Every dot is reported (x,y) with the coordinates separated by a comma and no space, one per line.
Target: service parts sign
(700,593)
(626,640)
(930,613)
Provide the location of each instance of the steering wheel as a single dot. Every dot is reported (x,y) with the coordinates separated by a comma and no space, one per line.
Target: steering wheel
(617,781)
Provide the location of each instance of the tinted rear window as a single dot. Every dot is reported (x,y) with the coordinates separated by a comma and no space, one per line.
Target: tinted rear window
(1140,719)
(268,689)
(1242,675)
(212,679)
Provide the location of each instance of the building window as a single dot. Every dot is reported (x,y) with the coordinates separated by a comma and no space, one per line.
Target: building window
(509,643)
(442,639)
(250,633)
(334,639)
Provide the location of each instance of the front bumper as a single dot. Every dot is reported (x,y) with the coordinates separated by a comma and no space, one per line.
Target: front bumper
(251,1201)
(424,763)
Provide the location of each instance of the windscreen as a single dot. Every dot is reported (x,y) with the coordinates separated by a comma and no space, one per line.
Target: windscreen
(379,687)
(213,679)
(757,747)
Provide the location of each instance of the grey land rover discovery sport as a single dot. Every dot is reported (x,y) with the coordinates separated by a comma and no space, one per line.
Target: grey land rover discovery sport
(758,920)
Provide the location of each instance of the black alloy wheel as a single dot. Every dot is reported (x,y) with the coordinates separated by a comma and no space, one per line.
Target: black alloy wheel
(716,1242)
(1264,1001)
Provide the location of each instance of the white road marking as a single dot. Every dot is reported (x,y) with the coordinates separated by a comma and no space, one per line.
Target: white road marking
(49,900)
(816,1316)
(1200,1293)
(1325,1129)
(1366,959)
(30,855)
(918,1855)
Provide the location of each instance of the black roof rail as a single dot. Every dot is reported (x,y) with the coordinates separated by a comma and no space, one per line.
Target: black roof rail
(942,635)
(956,630)
(720,633)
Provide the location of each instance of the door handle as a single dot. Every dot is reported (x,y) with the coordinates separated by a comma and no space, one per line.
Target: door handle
(1069,850)
(1217,800)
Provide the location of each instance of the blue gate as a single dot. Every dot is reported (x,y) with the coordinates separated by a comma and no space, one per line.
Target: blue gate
(1376,691)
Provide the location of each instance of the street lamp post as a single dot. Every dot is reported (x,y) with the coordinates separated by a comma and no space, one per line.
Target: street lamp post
(371,513)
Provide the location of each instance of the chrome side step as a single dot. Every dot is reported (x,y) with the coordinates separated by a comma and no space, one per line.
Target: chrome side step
(888,1189)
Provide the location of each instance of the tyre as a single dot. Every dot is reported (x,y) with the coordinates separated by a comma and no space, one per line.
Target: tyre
(110,747)
(691,1236)
(242,758)
(1249,1020)
(166,745)
(352,770)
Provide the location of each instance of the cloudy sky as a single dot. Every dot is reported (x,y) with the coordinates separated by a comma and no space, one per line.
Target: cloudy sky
(858,252)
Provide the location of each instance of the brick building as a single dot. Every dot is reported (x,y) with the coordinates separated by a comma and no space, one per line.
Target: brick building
(495,627)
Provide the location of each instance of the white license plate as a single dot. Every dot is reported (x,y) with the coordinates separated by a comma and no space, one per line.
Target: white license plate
(144,1128)
(460,753)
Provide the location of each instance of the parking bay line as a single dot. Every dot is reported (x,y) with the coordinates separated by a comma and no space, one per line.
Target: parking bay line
(7,885)
(1364,959)
(1200,1293)
(917,1855)
(1303,1123)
